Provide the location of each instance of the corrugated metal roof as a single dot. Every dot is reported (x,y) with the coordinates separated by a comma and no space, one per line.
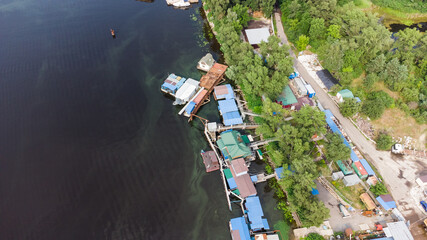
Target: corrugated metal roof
(228,105)
(345,93)
(239,166)
(245,185)
(231,183)
(399,231)
(190,107)
(287,97)
(239,224)
(367,200)
(232,145)
(232,118)
(224,92)
(200,96)
(360,168)
(386,202)
(367,167)
(257,35)
(351,180)
(255,214)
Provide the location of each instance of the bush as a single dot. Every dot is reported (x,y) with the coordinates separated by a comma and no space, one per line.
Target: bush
(373,109)
(349,107)
(384,141)
(314,236)
(370,80)
(379,189)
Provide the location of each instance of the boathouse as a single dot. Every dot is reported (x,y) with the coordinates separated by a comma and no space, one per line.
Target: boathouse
(232,146)
(206,63)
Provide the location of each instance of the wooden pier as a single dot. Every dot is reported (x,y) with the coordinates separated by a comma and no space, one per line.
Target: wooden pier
(208,82)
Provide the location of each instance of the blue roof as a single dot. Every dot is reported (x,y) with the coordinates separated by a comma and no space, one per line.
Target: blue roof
(279,172)
(231,183)
(386,205)
(181,82)
(240,225)
(255,214)
(190,107)
(314,191)
(353,156)
(229,95)
(232,118)
(225,106)
(367,167)
(169,86)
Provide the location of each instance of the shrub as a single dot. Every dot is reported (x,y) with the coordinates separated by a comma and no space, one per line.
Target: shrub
(373,109)
(314,236)
(379,189)
(384,141)
(349,107)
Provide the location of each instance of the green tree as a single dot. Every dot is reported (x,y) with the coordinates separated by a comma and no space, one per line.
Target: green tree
(370,80)
(373,109)
(384,141)
(378,189)
(242,14)
(302,42)
(405,42)
(377,64)
(334,31)
(314,236)
(349,107)
(267,7)
(317,29)
(309,121)
(395,75)
(335,148)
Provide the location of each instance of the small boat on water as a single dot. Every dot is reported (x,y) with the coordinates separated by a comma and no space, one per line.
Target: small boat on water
(112,33)
(181,4)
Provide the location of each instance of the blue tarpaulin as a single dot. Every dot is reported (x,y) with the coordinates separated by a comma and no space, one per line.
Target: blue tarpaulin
(367,167)
(232,118)
(169,87)
(190,107)
(239,224)
(225,106)
(231,183)
(314,191)
(254,178)
(255,214)
(279,172)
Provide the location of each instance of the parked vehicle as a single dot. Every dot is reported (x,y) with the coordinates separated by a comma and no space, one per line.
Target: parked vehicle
(424,204)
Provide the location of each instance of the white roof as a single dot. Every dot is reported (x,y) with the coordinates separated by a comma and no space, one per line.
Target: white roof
(309,88)
(187,90)
(398,230)
(257,35)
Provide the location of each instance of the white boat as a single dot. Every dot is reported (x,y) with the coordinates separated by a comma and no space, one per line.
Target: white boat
(181,4)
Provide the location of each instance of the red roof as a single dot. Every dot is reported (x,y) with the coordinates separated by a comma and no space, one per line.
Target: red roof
(245,185)
(200,96)
(210,161)
(239,166)
(360,168)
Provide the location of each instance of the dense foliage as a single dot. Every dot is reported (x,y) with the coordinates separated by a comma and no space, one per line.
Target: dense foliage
(314,236)
(384,141)
(292,151)
(350,42)
(335,148)
(403,5)
(378,189)
(349,107)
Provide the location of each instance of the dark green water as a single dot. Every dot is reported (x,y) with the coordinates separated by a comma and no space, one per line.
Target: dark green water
(89,147)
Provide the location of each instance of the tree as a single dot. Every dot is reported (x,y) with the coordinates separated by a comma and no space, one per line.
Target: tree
(378,189)
(405,42)
(349,107)
(377,64)
(317,29)
(395,74)
(334,31)
(302,42)
(370,80)
(309,121)
(384,141)
(335,148)
(373,109)
(242,14)
(267,7)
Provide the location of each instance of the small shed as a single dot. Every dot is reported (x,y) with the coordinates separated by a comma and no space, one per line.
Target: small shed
(359,169)
(337,175)
(351,180)
(310,91)
(386,202)
(257,35)
(206,63)
(287,97)
(345,93)
(301,87)
(344,168)
(422,180)
(367,200)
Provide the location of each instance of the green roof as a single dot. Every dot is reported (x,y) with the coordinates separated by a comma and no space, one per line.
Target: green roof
(287,97)
(343,168)
(245,139)
(259,152)
(227,173)
(236,191)
(232,146)
(345,93)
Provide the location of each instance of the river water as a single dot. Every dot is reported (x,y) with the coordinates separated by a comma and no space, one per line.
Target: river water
(89,147)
